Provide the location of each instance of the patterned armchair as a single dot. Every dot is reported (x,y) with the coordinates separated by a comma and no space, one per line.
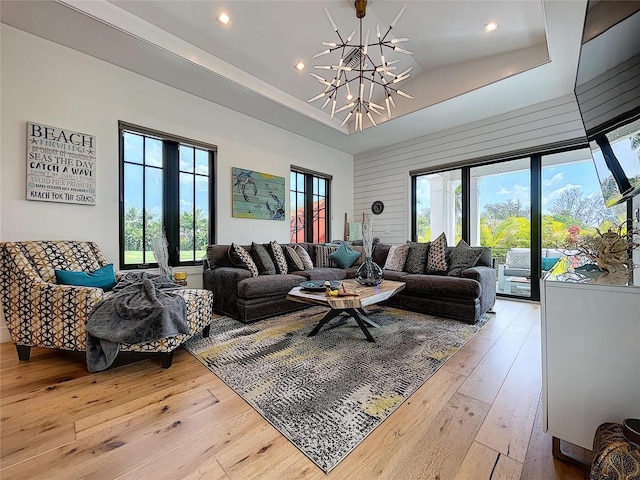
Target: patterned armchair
(41,313)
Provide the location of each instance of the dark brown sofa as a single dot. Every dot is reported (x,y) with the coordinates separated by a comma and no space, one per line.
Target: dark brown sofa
(248,298)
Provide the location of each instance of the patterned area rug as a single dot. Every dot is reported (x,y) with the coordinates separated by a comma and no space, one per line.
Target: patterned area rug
(327,393)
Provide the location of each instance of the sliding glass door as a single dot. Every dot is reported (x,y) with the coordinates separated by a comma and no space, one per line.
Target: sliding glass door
(500,218)
(528,210)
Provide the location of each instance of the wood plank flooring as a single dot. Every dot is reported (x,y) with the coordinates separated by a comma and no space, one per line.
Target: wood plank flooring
(478,418)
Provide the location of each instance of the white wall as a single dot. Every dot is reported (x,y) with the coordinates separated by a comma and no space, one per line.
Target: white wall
(546,123)
(50,84)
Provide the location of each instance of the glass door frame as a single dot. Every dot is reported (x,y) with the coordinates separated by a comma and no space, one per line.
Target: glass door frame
(535,204)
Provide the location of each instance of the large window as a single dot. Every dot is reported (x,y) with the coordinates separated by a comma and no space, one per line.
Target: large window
(526,209)
(309,206)
(166,185)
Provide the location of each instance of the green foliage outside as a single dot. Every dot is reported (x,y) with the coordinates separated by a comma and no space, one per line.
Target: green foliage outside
(507,225)
(133,234)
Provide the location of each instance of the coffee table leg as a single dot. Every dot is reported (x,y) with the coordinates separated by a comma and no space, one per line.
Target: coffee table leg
(361,323)
(331,314)
(367,320)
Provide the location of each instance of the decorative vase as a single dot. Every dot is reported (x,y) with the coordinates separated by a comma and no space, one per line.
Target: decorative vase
(369,273)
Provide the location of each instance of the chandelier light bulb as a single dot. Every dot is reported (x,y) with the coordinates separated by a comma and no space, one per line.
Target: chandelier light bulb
(346,119)
(393,24)
(370,117)
(333,24)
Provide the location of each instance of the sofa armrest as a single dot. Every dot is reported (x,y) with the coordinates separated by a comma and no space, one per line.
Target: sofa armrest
(486,276)
(223,282)
(49,315)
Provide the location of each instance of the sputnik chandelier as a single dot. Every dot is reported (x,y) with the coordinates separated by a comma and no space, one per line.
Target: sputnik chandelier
(357,72)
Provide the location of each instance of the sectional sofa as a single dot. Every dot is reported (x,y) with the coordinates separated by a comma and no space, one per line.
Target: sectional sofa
(249,298)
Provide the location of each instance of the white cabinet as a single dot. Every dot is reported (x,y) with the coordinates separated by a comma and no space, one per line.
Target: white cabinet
(590,357)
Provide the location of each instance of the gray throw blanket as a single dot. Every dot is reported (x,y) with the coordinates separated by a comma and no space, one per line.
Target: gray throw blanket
(140,309)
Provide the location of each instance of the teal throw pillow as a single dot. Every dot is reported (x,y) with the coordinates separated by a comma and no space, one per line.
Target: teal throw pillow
(549,262)
(104,278)
(344,256)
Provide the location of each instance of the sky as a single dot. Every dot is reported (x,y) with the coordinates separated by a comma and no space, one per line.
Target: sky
(555,179)
(153,158)
(501,187)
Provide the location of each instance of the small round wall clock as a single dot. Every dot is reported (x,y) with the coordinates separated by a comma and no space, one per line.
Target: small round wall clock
(377,207)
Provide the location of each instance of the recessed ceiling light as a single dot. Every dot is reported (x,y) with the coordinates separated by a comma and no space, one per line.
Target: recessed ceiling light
(299,66)
(223,17)
(491,26)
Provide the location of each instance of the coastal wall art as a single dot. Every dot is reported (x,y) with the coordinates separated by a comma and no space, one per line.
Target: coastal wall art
(257,195)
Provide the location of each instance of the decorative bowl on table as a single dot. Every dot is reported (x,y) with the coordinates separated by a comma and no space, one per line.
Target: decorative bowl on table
(318,285)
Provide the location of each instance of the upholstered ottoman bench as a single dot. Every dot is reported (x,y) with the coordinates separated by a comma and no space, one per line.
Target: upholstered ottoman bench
(614,456)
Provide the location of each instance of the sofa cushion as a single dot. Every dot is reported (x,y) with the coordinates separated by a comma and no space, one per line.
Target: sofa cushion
(325,273)
(47,256)
(278,258)
(396,257)
(442,285)
(394,276)
(344,256)
(294,262)
(437,256)
(380,252)
(304,256)
(268,285)
(416,258)
(262,259)
(462,257)
(240,257)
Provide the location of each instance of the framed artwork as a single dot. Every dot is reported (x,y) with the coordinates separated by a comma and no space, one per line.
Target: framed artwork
(61,165)
(257,195)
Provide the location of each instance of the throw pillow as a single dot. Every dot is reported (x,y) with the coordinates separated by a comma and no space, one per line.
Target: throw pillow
(104,278)
(549,262)
(294,262)
(322,256)
(462,257)
(397,257)
(344,256)
(437,256)
(278,257)
(240,258)
(416,258)
(304,256)
(262,259)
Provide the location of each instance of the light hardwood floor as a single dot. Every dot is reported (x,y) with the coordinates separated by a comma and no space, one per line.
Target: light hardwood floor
(478,417)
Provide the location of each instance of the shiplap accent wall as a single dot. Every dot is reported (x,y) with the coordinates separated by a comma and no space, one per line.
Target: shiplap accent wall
(383,174)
